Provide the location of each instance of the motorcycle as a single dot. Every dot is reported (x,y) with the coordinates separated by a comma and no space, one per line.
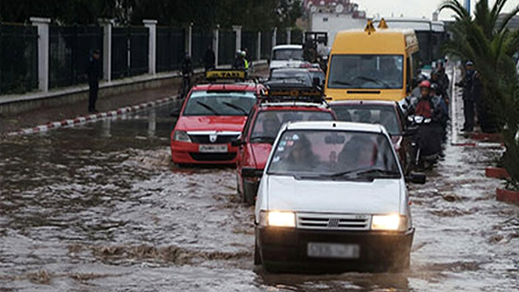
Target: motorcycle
(426,142)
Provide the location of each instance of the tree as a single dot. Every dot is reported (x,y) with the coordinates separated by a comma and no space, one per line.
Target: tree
(491,45)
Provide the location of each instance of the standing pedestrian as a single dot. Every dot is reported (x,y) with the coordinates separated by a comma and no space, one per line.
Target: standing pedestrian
(470,88)
(210,59)
(94,73)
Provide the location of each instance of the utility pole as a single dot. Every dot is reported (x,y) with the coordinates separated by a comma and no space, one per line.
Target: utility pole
(467,6)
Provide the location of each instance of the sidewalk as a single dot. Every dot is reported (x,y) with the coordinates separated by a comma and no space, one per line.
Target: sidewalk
(44,115)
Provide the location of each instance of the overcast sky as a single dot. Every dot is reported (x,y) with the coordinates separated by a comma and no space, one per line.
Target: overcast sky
(412,8)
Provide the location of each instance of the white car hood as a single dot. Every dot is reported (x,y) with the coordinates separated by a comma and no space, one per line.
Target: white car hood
(381,196)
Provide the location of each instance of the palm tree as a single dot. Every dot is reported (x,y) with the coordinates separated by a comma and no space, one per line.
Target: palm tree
(490,44)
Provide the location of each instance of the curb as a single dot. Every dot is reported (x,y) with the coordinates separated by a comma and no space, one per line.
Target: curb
(488,145)
(496,172)
(90,118)
(507,196)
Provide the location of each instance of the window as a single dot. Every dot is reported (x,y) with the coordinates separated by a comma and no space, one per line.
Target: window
(202,103)
(327,154)
(366,71)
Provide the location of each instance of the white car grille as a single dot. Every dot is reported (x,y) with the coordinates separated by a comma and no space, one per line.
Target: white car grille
(352,222)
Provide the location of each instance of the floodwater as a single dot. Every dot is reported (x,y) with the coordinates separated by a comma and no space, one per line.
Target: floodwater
(100,207)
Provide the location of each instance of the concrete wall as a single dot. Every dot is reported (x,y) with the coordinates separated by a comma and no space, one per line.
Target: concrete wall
(12,104)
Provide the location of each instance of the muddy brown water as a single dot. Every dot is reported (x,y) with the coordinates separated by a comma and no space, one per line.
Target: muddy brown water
(100,207)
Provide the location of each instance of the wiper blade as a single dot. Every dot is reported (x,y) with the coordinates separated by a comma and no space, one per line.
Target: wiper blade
(341,82)
(235,107)
(389,173)
(208,107)
(374,80)
(362,171)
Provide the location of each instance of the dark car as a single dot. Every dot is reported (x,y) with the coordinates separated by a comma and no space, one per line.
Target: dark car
(388,114)
(290,77)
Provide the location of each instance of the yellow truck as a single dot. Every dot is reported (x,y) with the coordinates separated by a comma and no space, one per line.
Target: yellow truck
(372,64)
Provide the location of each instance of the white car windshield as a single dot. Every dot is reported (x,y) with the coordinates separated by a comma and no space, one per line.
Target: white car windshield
(332,154)
(366,71)
(203,103)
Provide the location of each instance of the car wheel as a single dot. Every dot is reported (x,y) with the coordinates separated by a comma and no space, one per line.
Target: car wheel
(238,185)
(257,255)
(402,264)
(248,195)
(243,191)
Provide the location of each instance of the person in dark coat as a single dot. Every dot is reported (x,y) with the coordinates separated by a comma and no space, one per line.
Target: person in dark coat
(94,74)
(470,95)
(210,59)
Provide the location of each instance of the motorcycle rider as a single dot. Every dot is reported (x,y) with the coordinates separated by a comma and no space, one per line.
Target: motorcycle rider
(429,133)
(239,61)
(441,88)
(439,102)
(187,71)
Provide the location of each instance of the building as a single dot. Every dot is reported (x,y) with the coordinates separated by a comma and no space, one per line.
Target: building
(333,16)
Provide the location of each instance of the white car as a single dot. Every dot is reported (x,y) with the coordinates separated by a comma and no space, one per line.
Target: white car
(333,194)
(286,56)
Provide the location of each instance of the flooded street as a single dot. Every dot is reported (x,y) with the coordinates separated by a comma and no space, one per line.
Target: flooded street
(100,207)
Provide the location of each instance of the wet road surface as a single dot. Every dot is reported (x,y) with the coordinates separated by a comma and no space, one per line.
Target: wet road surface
(100,207)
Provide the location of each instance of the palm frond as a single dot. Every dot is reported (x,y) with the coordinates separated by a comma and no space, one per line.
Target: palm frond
(506,20)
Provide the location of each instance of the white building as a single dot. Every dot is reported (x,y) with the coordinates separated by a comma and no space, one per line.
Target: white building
(333,16)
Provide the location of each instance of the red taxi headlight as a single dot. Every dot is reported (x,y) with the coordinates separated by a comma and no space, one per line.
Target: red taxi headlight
(181,136)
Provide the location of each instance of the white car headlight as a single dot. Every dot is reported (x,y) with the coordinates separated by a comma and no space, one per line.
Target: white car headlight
(181,136)
(388,222)
(277,219)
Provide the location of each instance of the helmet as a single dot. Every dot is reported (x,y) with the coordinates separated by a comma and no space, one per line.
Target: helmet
(421,77)
(425,84)
(434,87)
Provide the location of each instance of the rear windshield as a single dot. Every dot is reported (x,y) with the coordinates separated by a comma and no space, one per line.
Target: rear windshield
(268,123)
(384,115)
(203,103)
(287,54)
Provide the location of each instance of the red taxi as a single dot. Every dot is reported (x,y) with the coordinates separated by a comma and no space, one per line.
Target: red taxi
(265,120)
(210,118)
(386,113)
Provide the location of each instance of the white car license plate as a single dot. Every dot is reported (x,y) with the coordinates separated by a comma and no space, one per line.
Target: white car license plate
(212,148)
(333,250)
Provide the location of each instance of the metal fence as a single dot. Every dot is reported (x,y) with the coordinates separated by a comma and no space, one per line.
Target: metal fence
(281,37)
(71,47)
(226,46)
(129,51)
(296,37)
(201,40)
(249,41)
(69,51)
(18,58)
(170,48)
(266,44)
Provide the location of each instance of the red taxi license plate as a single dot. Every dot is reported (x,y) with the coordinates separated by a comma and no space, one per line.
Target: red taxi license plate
(213,148)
